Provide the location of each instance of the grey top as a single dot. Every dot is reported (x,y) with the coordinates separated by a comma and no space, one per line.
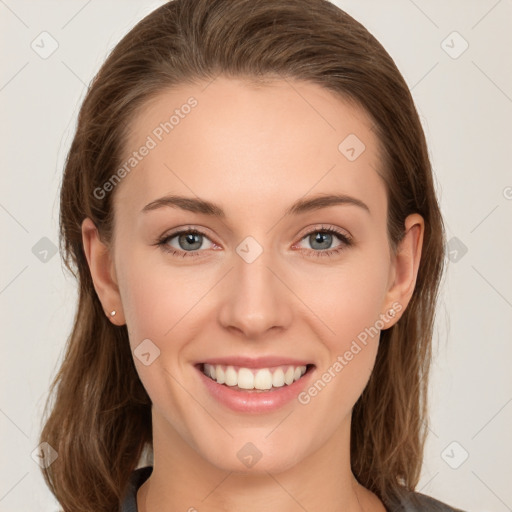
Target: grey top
(412,502)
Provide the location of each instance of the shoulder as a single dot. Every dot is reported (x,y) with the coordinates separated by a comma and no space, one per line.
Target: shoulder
(417,502)
(138,477)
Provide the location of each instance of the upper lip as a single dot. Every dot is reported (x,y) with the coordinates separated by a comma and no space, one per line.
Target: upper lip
(258,362)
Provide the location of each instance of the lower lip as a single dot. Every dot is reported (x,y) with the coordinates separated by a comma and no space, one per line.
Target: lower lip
(253,401)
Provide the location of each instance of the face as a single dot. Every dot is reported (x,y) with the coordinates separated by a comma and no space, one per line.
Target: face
(256,284)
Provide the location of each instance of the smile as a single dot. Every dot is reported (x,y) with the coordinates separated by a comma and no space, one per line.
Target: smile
(262,379)
(254,386)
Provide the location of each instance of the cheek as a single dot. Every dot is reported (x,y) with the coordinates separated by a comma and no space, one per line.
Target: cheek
(158,304)
(157,298)
(347,300)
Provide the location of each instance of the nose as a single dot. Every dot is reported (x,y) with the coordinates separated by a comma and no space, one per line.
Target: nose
(256,298)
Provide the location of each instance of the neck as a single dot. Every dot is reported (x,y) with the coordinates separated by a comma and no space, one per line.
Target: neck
(184,480)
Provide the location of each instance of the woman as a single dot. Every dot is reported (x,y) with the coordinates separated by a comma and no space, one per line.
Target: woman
(221,141)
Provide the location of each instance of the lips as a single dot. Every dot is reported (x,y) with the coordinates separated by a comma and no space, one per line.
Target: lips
(254,385)
(255,401)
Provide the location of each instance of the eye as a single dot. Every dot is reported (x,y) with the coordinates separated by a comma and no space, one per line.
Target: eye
(188,242)
(322,237)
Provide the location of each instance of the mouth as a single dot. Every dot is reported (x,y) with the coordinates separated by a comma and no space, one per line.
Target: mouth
(255,380)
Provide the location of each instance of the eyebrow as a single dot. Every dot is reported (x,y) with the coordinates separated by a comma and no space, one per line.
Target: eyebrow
(203,206)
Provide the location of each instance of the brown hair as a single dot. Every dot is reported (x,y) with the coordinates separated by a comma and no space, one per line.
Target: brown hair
(99,417)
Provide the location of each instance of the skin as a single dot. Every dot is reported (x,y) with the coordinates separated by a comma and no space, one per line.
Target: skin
(253,151)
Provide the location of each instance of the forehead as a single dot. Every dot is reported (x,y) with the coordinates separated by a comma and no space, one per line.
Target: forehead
(250,146)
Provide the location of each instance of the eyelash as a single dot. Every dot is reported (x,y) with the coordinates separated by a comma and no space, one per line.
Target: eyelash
(346,242)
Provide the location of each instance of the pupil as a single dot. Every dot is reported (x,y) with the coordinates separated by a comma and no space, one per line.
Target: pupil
(190,238)
(326,239)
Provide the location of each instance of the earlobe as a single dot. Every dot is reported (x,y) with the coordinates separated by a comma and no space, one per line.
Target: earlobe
(406,264)
(99,259)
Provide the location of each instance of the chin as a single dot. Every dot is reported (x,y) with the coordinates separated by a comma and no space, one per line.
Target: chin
(258,456)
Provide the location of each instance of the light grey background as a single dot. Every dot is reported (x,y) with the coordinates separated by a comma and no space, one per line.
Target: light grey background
(465,102)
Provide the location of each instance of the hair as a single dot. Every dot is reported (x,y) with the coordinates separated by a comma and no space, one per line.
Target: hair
(98,414)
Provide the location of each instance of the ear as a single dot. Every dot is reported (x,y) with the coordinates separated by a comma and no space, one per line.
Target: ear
(101,266)
(404,271)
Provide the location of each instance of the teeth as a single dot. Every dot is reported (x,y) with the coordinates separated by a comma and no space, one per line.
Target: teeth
(247,378)
(278,378)
(231,376)
(217,373)
(263,379)
(289,375)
